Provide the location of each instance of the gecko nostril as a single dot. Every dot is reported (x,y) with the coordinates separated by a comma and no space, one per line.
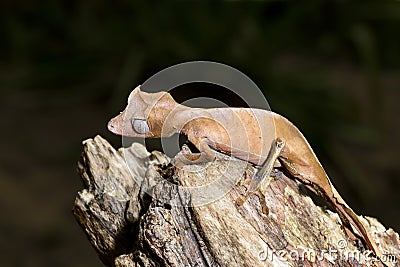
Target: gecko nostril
(110,126)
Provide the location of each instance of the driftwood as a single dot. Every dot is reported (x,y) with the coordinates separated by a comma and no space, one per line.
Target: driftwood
(128,227)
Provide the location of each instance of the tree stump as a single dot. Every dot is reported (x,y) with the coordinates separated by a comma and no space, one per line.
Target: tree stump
(128,227)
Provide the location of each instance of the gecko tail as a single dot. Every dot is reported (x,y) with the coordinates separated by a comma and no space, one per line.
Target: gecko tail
(349,217)
(352,221)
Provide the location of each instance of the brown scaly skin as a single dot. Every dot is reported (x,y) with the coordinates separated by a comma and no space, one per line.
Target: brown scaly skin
(240,132)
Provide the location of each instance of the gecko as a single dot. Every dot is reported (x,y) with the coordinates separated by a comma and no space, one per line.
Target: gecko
(258,136)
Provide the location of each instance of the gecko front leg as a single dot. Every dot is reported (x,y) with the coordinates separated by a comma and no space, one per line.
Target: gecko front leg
(186,157)
(262,178)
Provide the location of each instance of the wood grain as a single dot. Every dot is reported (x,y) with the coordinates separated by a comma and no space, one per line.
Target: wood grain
(128,227)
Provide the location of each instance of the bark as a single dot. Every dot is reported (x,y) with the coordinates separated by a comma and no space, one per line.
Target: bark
(129,227)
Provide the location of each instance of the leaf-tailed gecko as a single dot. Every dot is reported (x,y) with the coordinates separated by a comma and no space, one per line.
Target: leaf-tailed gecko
(258,136)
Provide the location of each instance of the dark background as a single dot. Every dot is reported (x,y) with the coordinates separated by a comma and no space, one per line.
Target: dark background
(66,67)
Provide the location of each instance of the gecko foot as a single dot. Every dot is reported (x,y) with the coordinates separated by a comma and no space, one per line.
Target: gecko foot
(264,208)
(185,157)
(242,199)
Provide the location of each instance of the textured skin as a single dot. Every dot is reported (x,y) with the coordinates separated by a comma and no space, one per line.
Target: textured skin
(240,132)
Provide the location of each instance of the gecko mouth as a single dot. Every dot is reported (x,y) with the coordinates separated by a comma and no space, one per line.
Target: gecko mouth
(112,127)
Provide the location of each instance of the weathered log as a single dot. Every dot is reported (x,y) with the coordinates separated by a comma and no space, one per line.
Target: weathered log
(136,211)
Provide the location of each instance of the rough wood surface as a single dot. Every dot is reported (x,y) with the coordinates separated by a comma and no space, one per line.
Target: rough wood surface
(128,227)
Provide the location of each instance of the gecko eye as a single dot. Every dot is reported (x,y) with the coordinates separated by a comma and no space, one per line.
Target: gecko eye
(140,126)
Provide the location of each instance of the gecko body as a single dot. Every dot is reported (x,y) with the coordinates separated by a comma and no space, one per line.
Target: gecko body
(244,133)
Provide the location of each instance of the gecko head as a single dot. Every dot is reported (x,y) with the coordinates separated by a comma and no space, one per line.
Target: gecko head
(144,116)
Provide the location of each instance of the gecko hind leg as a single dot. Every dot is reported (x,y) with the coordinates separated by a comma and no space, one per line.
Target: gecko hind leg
(264,174)
(262,178)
